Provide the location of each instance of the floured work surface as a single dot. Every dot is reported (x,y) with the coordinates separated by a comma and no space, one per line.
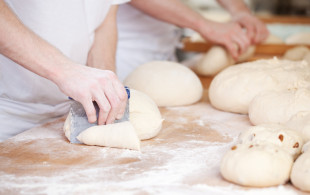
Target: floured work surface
(183,159)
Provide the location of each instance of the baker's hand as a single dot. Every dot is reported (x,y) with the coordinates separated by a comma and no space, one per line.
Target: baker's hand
(255,28)
(230,35)
(85,85)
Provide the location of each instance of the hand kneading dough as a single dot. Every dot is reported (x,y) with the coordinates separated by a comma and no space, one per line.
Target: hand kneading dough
(300,176)
(302,38)
(167,83)
(118,135)
(300,122)
(144,123)
(278,106)
(296,53)
(256,165)
(234,88)
(278,135)
(144,115)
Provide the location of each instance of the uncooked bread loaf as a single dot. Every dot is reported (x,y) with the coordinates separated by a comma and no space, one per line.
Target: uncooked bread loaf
(144,123)
(273,39)
(300,176)
(279,135)
(167,83)
(302,38)
(234,88)
(278,106)
(300,122)
(217,59)
(256,165)
(307,57)
(296,53)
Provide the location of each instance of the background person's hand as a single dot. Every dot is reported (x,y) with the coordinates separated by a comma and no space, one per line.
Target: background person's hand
(230,35)
(85,85)
(255,28)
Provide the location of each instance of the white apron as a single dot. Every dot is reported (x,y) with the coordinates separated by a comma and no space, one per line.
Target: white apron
(26,99)
(141,39)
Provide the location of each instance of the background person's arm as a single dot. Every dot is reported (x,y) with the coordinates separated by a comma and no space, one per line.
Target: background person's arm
(256,29)
(82,83)
(175,12)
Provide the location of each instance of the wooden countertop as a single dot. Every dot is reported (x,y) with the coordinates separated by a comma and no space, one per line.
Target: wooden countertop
(183,159)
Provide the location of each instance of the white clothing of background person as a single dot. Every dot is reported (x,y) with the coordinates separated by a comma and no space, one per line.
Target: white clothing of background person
(26,99)
(138,41)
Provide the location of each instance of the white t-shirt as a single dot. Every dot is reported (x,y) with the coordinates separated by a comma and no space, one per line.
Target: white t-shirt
(142,38)
(27,99)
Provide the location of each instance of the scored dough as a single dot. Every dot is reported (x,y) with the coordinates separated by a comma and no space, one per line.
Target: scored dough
(278,106)
(167,83)
(256,165)
(279,135)
(144,123)
(234,88)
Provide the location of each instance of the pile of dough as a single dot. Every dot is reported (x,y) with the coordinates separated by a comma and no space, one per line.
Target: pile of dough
(296,53)
(235,87)
(300,122)
(302,38)
(167,83)
(263,157)
(273,39)
(217,59)
(144,123)
(278,106)
(300,176)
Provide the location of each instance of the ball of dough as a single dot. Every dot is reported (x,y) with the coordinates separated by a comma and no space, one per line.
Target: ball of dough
(167,83)
(302,38)
(275,134)
(300,122)
(144,115)
(278,106)
(296,53)
(273,39)
(306,147)
(300,176)
(234,88)
(215,60)
(256,165)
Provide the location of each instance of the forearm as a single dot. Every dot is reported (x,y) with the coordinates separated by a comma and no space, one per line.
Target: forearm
(24,47)
(171,11)
(102,53)
(234,6)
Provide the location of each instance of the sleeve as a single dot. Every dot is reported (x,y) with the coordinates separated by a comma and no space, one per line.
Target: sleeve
(115,2)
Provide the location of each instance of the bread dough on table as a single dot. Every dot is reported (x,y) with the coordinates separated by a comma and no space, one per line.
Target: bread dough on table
(302,38)
(296,53)
(256,165)
(234,88)
(273,39)
(307,57)
(167,83)
(279,135)
(278,106)
(144,122)
(306,147)
(215,60)
(300,176)
(118,135)
(300,122)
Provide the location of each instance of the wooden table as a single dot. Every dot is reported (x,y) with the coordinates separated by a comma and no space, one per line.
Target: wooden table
(183,159)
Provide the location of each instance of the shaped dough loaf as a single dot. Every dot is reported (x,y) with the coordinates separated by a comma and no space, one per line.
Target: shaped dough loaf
(296,53)
(235,87)
(278,106)
(167,83)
